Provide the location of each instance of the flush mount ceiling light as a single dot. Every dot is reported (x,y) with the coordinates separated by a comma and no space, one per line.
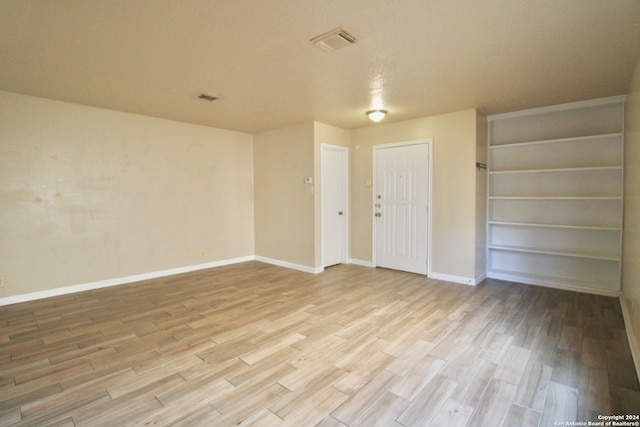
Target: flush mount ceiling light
(334,40)
(376,115)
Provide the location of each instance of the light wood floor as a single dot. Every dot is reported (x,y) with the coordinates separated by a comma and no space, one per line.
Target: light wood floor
(253,344)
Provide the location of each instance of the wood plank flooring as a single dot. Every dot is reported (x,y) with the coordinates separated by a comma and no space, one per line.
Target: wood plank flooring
(257,345)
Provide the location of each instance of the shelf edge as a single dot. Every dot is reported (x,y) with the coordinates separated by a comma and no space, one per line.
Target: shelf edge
(554,141)
(554,253)
(530,224)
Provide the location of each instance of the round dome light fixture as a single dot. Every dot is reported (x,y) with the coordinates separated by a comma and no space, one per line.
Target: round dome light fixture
(376,115)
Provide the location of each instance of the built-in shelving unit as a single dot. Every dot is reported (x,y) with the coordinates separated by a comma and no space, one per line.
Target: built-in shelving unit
(555,196)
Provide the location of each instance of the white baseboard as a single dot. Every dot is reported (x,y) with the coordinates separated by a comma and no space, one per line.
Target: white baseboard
(360,262)
(633,343)
(119,281)
(439,276)
(170,272)
(455,279)
(286,264)
(480,278)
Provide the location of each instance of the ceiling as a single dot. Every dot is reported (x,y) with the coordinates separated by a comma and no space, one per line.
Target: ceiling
(414,58)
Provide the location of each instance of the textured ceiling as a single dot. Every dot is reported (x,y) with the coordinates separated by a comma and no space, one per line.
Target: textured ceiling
(413,57)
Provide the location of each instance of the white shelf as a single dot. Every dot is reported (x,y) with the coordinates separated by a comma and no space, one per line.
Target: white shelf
(555,196)
(600,288)
(550,124)
(579,139)
(547,279)
(532,224)
(584,183)
(542,171)
(568,153)
(574,254)
(579,212)
(579,242)
(597,182)
(561,268)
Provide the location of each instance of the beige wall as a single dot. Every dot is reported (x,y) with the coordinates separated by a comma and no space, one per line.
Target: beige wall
(92,194)
(284,204)
(89,194)
(481,197)
(631,252)
(454,187)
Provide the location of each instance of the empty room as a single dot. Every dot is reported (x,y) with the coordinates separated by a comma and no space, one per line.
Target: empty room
(320,213)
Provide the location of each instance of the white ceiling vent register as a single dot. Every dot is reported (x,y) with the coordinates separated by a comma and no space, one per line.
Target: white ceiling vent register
(334,40)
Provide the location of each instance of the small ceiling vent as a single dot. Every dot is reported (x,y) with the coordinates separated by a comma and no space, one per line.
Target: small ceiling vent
(334,40)
(207,97)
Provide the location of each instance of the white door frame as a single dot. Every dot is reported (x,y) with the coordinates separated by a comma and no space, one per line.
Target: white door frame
(345,248)
(429,142)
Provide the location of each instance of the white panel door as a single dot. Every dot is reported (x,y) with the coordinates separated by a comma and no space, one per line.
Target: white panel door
(334,164)
(401,207)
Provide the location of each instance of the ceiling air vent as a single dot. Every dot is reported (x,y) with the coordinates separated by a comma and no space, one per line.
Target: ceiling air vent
(207,97)
(334,40)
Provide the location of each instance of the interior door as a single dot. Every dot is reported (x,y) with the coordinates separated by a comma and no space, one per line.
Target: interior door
(334,164)
(401,196)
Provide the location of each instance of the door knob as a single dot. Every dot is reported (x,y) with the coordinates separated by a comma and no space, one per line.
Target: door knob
(340,212)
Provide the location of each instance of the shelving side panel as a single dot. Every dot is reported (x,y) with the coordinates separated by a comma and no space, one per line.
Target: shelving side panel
(590,273)
(575,153)
(590,120)
(603,243)
(585,213)
(577,183)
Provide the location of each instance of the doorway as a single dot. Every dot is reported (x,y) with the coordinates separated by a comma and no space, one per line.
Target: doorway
(334,161)
(402,195)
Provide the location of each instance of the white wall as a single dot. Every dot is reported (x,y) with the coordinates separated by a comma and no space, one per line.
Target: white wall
(90,194)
